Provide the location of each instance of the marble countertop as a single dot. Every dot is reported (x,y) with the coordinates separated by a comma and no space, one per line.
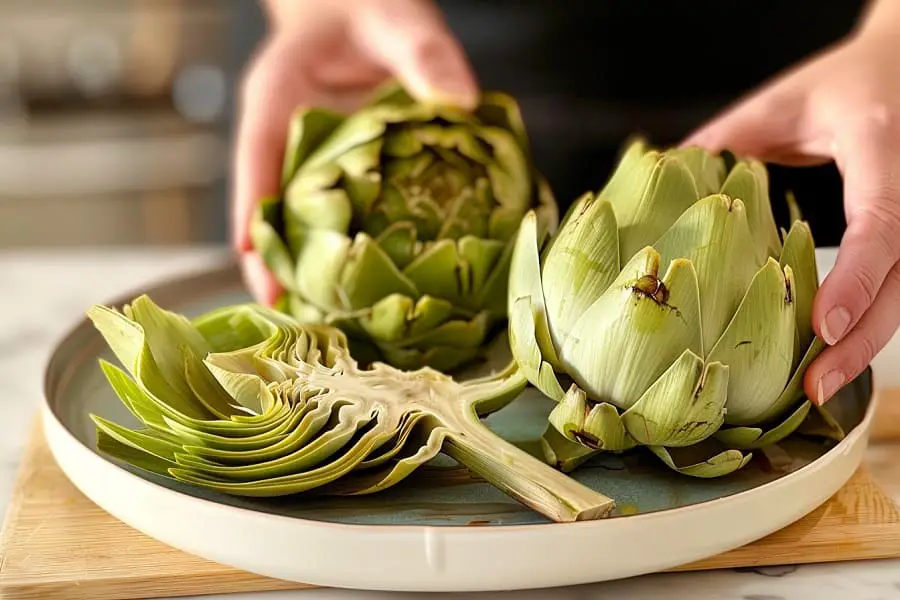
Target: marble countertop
(43,293)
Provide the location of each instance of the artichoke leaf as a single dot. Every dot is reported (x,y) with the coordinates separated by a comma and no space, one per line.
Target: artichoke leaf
(707,168)
(718,465)
(799,253)
(368,275)
(500,110)
(525,282)
(309,127)
(264,227)
(758,345)
(648,191)
(752,438)
(597,426)
(331,426)
(714,235)
(684,406)
(630,335)
(579,265)
(527,352)
(562,453)
(437,271)
(749,182)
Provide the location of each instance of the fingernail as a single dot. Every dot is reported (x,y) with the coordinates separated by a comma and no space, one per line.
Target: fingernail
(835,325)
(829,383)
(454,92)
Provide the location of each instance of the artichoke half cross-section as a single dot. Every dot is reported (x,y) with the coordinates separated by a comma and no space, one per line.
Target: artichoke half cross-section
(245,400)
(396,224)
(667,312)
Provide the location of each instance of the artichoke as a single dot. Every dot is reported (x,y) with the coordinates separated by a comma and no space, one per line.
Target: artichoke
(668,313)
(247,401)
(396,224)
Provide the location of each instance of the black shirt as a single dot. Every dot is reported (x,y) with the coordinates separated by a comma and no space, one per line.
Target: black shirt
(589,73)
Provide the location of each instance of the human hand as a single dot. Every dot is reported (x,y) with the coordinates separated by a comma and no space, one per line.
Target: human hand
(843,105)
(331,54)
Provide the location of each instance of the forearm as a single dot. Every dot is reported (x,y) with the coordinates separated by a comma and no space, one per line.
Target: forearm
(882,17)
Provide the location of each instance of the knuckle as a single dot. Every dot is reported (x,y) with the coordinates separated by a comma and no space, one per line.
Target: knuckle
(868,348)
(866,283)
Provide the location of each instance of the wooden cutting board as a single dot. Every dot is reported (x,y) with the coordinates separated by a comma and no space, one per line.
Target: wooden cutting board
(58,545)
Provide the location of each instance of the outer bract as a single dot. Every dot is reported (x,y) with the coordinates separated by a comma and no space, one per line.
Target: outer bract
(245,400)
(668,313)
(396,224)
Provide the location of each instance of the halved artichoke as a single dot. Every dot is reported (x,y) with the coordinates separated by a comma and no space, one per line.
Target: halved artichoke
(668,313)
(247,401)
(396,224)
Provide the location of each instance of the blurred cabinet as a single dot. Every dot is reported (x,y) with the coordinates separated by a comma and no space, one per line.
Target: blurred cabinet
(111,121)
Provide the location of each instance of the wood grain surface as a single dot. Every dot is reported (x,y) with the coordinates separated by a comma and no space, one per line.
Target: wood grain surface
(58,545)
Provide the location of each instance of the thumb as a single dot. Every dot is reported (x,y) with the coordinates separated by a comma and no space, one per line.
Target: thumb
(768,125)
(410,39)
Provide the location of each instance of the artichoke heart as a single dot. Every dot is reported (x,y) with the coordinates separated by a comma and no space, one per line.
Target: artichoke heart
(396,223)
(248,401)
(667,313)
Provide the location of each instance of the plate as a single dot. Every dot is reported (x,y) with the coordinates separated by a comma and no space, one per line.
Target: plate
(441,530)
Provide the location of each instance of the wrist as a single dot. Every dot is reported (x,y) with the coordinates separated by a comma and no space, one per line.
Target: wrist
(881,18)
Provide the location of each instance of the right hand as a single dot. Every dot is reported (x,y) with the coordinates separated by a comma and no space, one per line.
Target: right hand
(331,54)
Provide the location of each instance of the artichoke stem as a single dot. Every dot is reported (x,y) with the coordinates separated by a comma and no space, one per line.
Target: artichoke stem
(529,480)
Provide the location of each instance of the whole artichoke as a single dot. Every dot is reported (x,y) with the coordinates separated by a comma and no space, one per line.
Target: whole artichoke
(396,224)
(246,401)
(667,312)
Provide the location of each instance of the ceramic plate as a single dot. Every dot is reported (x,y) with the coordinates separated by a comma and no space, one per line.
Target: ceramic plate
(422,534)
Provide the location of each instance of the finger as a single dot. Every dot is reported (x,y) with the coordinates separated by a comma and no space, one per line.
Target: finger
(867,154)
(840,364)
(768,125)
(411,40)
(259,280)
(259,145)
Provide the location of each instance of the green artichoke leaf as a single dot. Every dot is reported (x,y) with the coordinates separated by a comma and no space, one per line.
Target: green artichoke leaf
(648,191)
(749,182)
(684,406)
(714,235)
(562,453)
(525,282)
(707,168)
(597,426)
(324,424)
(526,350)
(368,275)
(799,253)
(686,462)
(308,128)
(630,335)
(580,263)
(479,258)
(437,271)
(264,236)
(752,438)
(758,345)
(500,110)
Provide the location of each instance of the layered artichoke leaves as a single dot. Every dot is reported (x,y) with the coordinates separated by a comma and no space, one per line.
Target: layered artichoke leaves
(246,401)
(668,313)
(396,224)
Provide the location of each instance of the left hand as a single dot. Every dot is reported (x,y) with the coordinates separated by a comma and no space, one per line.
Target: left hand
(843,105)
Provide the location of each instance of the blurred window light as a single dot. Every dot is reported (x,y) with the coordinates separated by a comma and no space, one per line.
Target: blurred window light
(199,93)
(94,62)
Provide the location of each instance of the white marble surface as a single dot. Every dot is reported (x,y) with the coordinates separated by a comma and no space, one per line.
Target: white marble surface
(43,293)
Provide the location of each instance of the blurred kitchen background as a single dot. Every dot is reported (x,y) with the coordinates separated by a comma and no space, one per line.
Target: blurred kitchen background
(116,117)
